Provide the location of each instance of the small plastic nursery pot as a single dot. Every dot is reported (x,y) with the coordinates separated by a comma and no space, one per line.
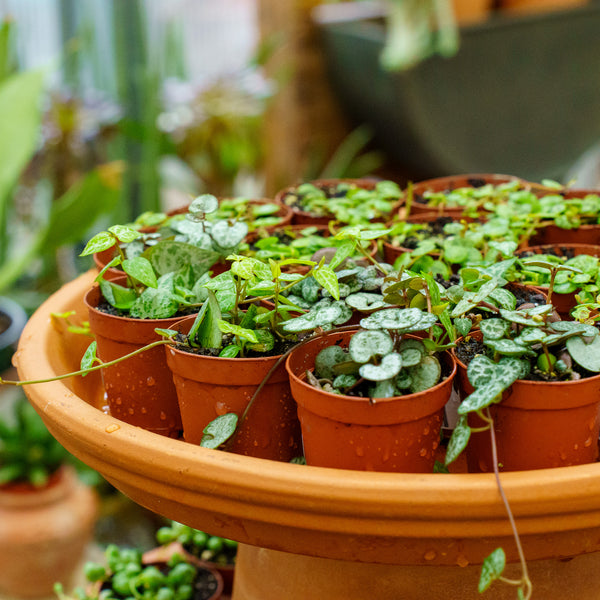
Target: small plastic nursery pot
(139,390)
(537,424)
(399,434)
(208,387)
(44,533)
(446,184)
(563,303)
(301,217)
(555,235)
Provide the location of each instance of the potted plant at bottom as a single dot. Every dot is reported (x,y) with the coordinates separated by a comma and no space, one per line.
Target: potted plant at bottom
(373,398)
(47,515)
(125,575)
(534,380)
(233,350)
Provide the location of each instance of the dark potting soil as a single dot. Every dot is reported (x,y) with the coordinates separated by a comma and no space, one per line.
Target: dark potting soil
(565,252)
(431,228)
(205,585)
(109,309)
(474,182)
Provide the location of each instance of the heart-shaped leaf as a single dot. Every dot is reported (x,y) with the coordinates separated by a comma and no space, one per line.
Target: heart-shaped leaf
(327,359)
(229,236)
(388,368)
(219,430)
(141,270)
(154,303)
(204,204)
(509,347)
(494,329)
(168,256)
(459,440)
(317,317)
(392,318)
(367,344)
(365,301)
(585,355)
(425,375)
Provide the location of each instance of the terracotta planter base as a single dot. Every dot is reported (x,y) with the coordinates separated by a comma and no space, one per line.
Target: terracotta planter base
(294,577)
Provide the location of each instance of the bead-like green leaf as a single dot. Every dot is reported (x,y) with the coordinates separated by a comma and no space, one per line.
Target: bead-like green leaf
(366,344)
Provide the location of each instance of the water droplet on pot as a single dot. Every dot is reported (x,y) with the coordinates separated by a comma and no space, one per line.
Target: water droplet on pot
(221,408)
(360,451)
(426,431)
(430,555)
(112,428)
(118,401)
(592,424)
(150,381)
(162,416)
(423,452)
(563,455)
(144,410)
(576,447)
(130,410)
(588,442)
(462,561)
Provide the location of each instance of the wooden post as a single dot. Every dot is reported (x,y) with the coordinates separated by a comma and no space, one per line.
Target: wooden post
(304,124)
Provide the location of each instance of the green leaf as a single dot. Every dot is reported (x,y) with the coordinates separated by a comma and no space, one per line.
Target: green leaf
(265,343)
(205,330)
(154,303)
(491,569)
(229,236)
(585,355)
(326,277)
(230,351)
(141,270)
(204,204)
(366,344)
(365,301)
(463,326)
(245,334)
(317,317)
(218,431)
(494,329)
(459,440)
(344,250)
(509,347)
(482,397)
(425,375)
(392,318)
(89,357)
(169,256)
(327,359)
(388,368)
(101,241)
(124,233)
(116,295)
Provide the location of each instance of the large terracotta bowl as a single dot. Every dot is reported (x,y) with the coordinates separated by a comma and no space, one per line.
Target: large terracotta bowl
(313,514)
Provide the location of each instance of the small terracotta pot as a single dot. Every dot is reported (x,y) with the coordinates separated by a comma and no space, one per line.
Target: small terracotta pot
(399,434)
(139,390)
(563,303)
(449,183)
(538,425)
(44,533)
(211,386)
(301,217)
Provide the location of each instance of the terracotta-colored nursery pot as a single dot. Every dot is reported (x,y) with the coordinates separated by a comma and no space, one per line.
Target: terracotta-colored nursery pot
(399,434)
(554,235)
(537,424)
(563,303)
(44,533)
(139,390)
(211,386)
(449,183)
(301,217)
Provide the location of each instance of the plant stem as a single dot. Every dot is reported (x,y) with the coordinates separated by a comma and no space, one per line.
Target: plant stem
(89,369)
(525,581)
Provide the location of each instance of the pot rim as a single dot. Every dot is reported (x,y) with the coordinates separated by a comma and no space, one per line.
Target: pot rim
(307,510)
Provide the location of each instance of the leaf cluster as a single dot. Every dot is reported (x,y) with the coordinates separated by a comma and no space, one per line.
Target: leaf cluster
(126,577)
(346,202)
(380,357)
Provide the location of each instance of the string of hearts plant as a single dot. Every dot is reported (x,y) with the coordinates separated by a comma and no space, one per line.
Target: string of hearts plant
(519,342)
